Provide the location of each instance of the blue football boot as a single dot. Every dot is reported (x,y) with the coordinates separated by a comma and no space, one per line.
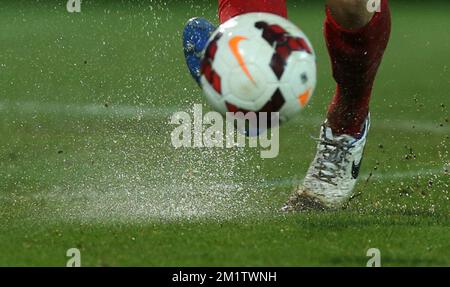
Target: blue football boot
(196,34)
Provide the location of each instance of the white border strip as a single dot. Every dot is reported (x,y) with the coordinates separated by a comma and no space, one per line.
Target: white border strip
(123,112)
(386,176)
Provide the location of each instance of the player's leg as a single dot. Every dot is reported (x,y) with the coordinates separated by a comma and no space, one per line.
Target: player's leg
(198,30)
(232,8)
(351,14)
(356,39)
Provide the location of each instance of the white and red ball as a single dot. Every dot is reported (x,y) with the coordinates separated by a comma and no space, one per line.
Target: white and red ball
(259,62)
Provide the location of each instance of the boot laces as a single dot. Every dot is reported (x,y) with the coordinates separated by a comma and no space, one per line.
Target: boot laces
(332,158)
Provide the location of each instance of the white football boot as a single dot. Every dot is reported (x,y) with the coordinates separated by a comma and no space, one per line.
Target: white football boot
(332,176)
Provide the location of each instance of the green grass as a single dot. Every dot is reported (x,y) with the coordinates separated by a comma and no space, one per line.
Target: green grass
(113,186)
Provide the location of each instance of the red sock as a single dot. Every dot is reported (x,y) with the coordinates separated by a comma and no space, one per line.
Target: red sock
(355,57)
(232,8)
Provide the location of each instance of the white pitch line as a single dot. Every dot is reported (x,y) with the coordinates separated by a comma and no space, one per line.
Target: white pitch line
(86,110)
(289,182)
(124,112)
(387,176)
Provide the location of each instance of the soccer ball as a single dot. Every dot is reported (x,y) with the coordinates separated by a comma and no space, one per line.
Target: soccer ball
(259,62)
